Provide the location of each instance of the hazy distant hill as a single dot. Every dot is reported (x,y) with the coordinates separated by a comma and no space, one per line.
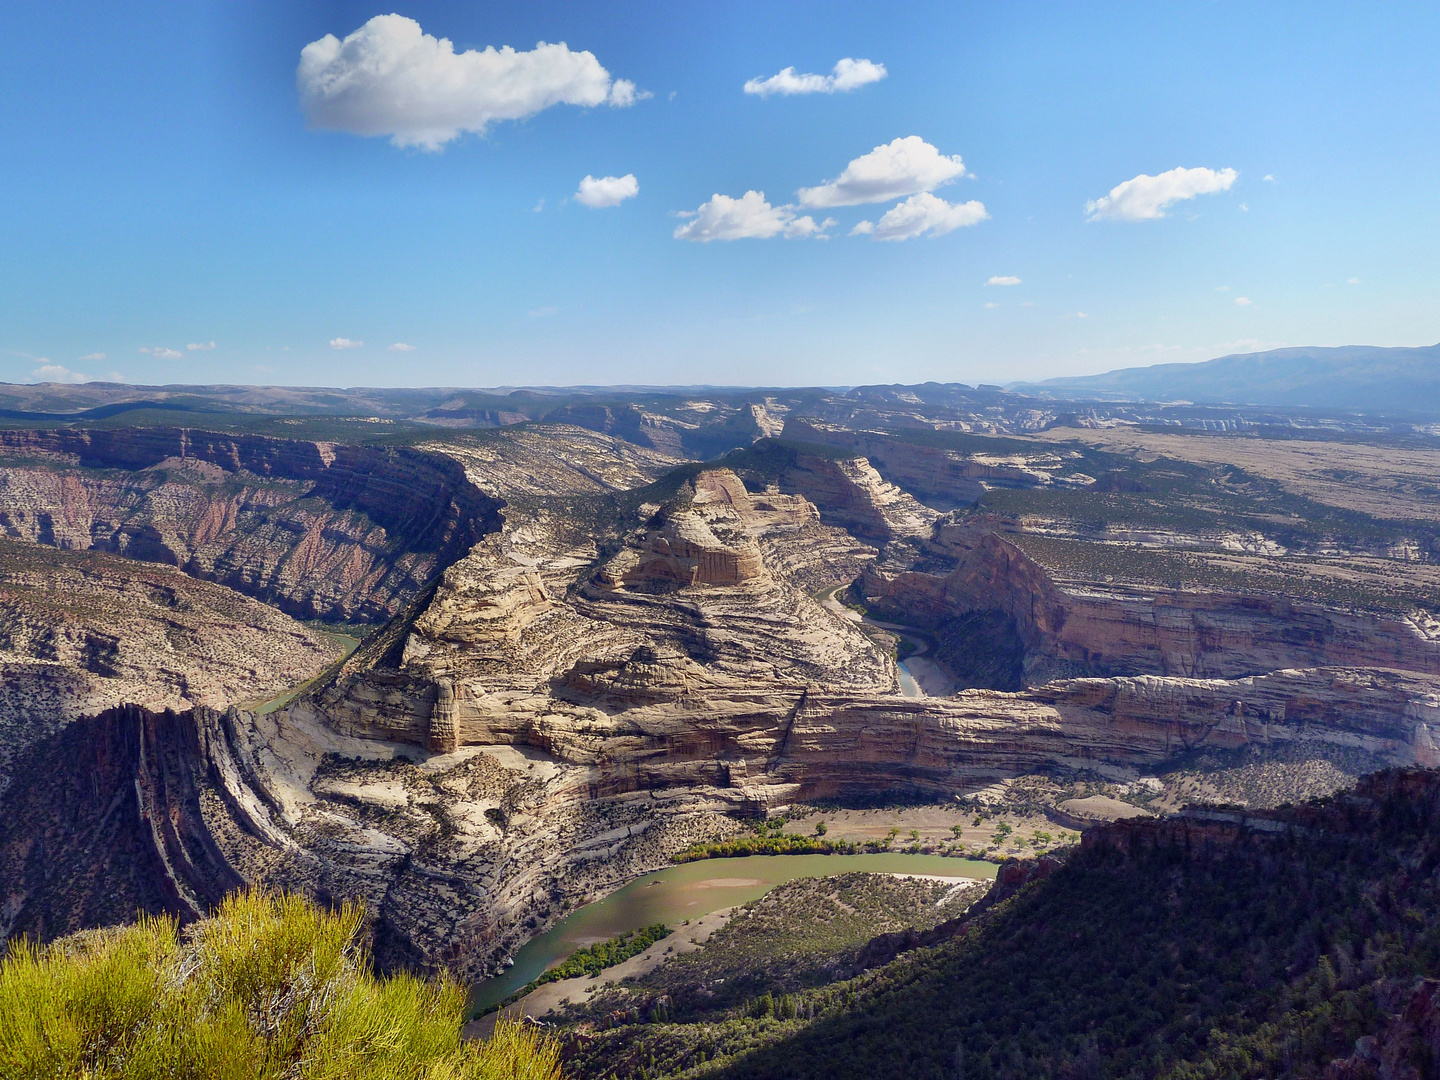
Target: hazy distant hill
(1353,378)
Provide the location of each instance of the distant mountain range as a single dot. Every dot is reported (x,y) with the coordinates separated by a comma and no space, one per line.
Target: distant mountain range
(1351,378)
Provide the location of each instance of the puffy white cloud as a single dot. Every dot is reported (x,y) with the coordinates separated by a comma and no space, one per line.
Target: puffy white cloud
(1268,177)
(200,346)
(160,352)
(1144,198)
(48,372)
(863,228)
(927,213)
(391,78)
(345,343)
(849,74)
(1003,279)
(899,168)
(748,217)
(1243,301)
(607,190)
(400,346)
(92,356)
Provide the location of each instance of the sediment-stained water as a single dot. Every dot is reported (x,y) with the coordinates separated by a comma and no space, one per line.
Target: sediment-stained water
(693,889)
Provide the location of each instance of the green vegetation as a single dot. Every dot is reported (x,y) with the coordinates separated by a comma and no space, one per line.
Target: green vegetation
(594,959)
(801,935)
(783,844)
(269,987)
(1198,957)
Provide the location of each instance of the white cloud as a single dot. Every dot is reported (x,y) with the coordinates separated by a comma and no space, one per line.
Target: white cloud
(1268,177)
(543,312)
(863,228)
(1243,301)
(1144,198)
(1245,208)
(1003,279)
(391,78)
(849,74)
(345,343)
(200,347)
(899,168)
(400,346)
(607,190)
(1082,315)
(1348,281)
(927,213)
(748,217)
(162,353)
(539,206)
(48,372)
(991,304)
(92,356)
(1222,288)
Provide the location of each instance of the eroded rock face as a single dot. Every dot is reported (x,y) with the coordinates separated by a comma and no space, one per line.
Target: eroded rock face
(320,530)
(1112,628)
(603,681)
(81,632)
(461,855)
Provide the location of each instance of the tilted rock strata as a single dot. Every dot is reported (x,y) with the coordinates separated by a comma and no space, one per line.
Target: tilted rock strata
(1114,629)
(459,856)
(321,530)
(81,632)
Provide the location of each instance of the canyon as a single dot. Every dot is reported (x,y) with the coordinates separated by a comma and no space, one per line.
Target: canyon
(584,651)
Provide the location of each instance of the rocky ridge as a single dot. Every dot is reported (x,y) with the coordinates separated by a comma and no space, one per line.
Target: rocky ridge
(321,530)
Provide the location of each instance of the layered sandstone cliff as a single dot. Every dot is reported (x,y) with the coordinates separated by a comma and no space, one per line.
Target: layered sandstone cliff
(81,632)
(1112,628)
(321,530)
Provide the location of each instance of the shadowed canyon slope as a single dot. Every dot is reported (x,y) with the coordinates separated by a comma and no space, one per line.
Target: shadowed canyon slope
(600,654)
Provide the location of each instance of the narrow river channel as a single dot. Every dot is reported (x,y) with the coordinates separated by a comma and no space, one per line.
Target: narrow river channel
(693,889)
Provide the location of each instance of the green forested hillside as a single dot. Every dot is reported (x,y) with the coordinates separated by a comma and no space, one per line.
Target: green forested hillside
(1186,949)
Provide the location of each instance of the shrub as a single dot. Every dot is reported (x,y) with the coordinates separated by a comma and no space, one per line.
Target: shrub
(271,986)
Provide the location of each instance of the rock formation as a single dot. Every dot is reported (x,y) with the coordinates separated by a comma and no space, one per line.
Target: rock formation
(321,530)
(81,632)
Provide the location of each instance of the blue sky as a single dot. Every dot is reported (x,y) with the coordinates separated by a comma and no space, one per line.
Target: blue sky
(161,188)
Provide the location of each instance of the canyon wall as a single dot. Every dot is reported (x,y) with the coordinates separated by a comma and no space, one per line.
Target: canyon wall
(461,855)
(1115,629)
(321,530)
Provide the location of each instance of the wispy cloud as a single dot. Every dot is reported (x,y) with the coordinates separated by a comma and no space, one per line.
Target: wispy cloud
(926,213)
(160,352)
(1243,301)
(542,312)
(400,346)
(345,343)
(92,356)
(749,217)
(1003,279)
(200,347)
(1145,198)
(57,373)
(849,74)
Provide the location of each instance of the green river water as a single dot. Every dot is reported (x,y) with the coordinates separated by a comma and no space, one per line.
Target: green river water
(693,889)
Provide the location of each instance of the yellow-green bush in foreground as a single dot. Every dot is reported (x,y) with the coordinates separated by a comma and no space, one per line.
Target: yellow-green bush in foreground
(270,987)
